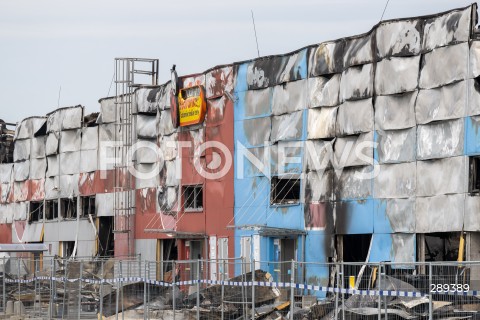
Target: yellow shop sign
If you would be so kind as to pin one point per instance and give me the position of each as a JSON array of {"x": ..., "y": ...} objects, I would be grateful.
[{"x": 192, "y": 106}]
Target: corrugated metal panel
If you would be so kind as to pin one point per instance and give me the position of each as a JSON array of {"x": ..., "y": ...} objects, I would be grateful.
[
  {"x": 51, "y": 146},
  {"x": 357, "y": 83},
  {"x": 448, "y": 28},
  {"x": 358, "y": 50},
  {"x": 447, "y": 102},
  {"x": 440, "y": 139},
  {"x": 38, "y": 147},
  {"x": 319, "y": 186},
  {"x": 68, "y": 186},
  {"x": 52, "y": 185},
  {"x": 70, "y": 163},
  {"x": 395, "y": 180},
  {"x": 318, "y": 154},
  {"x": 52, "y": 166},
  {"x": 37, "y": 190},
  {"x": 322, "y": 123},
  {"x": 286, "y": 157},
  {"x": 21, "y": 150},
  {"x": 38, "y": 167},
  {"x": 270, "y": 71},
  {"x": 88, "y": 160},
  {"x": 353, "y": 183},
  {"x": 443, "y": 213},
  {"x": 394, "y": 215},
  {"x": 146, "y": 126},
  {"x": 70, "y": 140},
  {"x": 219, "y": 81},
  {"x": 289, "y": 97},
  {"x": 435, "y": 177},
  {"x": 21, "y": 191},
  {"x": 354, "y": 117},
  {"x": 89, "y": 138},
  {"x": 164, "y": 123},
  {"x": 399, "y": 38},
  {"x": 395, "y": 111},
  {"x": 253, "y": 103},
  {"x": 22, "y": 170},
  {"x": 396, "y": 75},
  {"x": 289, "y": 126},
  {"x": 354, "y": 217},
  {"x": 146, "y": 100},
  {"x": 327, "y": 58},
  {"x": 435, "y": 72},
  {"x": 194, "y": 80},
  {"x": 6, "y": 170},
  {"x": 354, "y": 150},
  {"x": 324, "y": 91},
  {"x": 254, "y": 132},
  {"x": 397, "y": 248},
  {"x": 104, "y": 204},
  {"x": 396, "y": 146},
  {"x": 167, "y": 199},
  {"x": 72, "y": 118}
]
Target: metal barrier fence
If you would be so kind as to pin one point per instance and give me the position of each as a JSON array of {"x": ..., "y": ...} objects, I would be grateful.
[{"x": 228, "y": 289}]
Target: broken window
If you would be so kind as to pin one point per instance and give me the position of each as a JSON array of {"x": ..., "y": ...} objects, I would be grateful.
[
  {"x": 354, "y": 247},
  {"x": 474, "y": 182},
  {"x": 193, "y": 196},
  {"x": 88, "y": 206},
  {"x": 36, "y": 211},
  {"x": 285, "y": 191},
  {"x": 68, "y": 208},
  {"x": 51, "y": 209},
  {"x": 67, "y": 248},
  {"x": 442, "y": 246}
]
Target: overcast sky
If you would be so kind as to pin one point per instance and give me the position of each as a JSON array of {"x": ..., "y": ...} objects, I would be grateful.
[{"x": 51, "y": 43}]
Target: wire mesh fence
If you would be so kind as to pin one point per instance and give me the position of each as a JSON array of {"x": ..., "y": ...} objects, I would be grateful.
[{"x": 132, "y": 288}]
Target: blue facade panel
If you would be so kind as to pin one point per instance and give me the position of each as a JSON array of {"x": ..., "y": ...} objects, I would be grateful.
[{"x": 354, "y": 217}]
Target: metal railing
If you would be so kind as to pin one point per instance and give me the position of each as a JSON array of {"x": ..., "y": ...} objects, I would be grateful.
[{"x": 226, "y": 289}]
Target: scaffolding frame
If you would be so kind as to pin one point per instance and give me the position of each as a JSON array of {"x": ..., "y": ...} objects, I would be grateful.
[{"x": 129, "y": 73}]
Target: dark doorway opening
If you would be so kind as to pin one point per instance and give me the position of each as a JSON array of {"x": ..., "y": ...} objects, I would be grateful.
[
  {"x": 106, "y": 242},
  {"x": 287, "y": 254},
  {"x": 355, "y": 247}
]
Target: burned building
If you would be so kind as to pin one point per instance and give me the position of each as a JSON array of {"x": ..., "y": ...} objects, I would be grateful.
[{"x": 364, "y": 148}]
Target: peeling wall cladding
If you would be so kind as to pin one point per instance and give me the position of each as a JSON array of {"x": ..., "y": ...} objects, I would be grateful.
[
  {"x": 395, "y": 112},
  {"x": 396, "y": 146},
  {"x": 357, "y": 83},
  {"x": 440, "y": 139},
  {"x": 270, "y": 71},
  {"x": 399, "y": 38},
  {"x": 405, "y": 70},
  {"x": 396, "y": 181},
  {"x": 436, "y": 178},
  {"x": 444, "y": 103},
  {"x": 435, "y": 72}
]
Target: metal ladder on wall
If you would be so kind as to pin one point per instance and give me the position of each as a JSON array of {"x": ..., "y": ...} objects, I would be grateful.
[{"x": 130, "y": 73}]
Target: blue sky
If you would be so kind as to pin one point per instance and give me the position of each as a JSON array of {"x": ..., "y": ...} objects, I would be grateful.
[{"x": 51, "y": 43}]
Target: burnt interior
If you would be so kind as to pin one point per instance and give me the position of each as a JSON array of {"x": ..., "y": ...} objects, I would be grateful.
[
  {"x": 68, "y": 208},
  {"x": 36, "y": 211},
  {"x": 474, "y": 177},
  {"x": 442, "y": 246},
  {"x": 355, "y": 247},
  {"x": 105, "y": 237},
  {"x": 285, "y": 191},
  {"x": 88, "y": 206},
  {"x": 193, "y": 196},
  {"x": 51, "y": 209}
]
